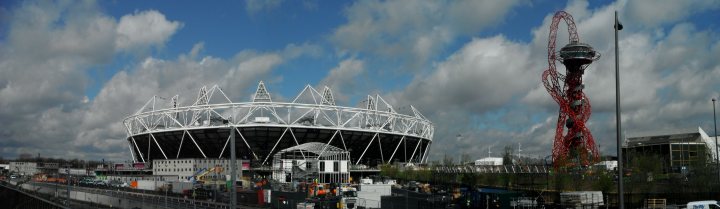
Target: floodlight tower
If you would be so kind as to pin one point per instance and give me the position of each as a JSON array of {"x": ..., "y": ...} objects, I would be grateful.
[{"x": 575, "y": 147}]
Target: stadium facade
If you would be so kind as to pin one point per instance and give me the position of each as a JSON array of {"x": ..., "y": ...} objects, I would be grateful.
[{"x": 374, "y": 132}]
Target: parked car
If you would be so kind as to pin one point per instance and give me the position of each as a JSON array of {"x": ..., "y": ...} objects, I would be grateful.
[
  {"x": 100, "y": 183},
  {"x": 86, "y": 182},
  {"x": 707, "y": 204},
  {"x": 117, "y": 183}
]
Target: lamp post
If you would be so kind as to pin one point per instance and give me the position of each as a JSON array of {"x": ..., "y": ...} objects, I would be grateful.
[
  {"x": 166, "y": 197},
  {"x": 618, "y": 26},
  {"x": 233, "y": 169},
  {"x": 67, "y": 180},
  {"x": 717, "y": 154}
]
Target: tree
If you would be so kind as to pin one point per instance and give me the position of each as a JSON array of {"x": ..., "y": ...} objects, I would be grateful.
[
  {"x": 604, "y": 182},
  {"x": 469, "y": 179},
  {"x": 389, "y": 170},
  {"x": 507, "y": 155},
  {"x": 25, "y": 156},
  {"x": 447, "y": 160},
  {"x": 465, "y": 158}
]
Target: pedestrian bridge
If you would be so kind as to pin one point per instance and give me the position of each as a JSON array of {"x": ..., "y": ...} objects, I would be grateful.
[{"x": 529, "y": 169}]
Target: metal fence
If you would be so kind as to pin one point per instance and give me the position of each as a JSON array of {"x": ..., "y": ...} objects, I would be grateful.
[{"x": 100, "y": 197}]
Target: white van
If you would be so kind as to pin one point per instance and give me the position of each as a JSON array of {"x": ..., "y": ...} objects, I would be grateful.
[{"x": 706, "y": 204}]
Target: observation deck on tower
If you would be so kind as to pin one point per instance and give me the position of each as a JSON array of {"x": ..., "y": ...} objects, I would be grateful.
[{"x": 578, "y": 54}]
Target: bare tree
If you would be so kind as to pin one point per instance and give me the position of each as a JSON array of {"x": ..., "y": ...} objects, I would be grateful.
[
  {"x": 25, "y": 156},
  {"x": 507, "y": 155},
  {"x": 465, "y": 158},
  {"x": 447, "y": 160}
]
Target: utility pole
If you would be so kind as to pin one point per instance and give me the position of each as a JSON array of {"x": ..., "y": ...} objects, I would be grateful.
[
  {"x": 717, "y": 154},
  {"x": 233, "y": 169},
  {"x": 67, "y": 180},
  {"x": 621, "y": 203},
  {"x": 519, "y": 149}
]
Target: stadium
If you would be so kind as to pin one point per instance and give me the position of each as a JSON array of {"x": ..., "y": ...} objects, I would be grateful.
[{"x": 373, "y": 132}]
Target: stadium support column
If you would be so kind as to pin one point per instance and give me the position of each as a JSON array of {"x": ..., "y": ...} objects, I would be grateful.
[{"x": 233, "y": 169}]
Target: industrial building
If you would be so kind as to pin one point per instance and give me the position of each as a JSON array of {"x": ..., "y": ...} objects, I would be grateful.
[
  {"x": 674, "y": 150},
  {"x": 489, "y": 161}
]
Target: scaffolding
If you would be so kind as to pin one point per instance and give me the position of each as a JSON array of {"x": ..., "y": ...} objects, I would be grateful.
[{"x": 313, "y": 161}]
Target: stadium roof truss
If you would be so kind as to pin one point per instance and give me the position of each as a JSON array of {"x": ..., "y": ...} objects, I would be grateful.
[{"x": 309, "y": 109}]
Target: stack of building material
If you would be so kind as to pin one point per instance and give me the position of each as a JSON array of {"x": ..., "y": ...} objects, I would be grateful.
[{"x": 581, "y": 199}]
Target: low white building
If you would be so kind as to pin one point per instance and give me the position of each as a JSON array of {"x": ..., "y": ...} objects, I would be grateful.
[
  {"x": 24, "y": 168},
  {"x": 76, "y": 171},
  {"x": 608, "y": 164},
  {"x": 185, "y": 169},
  {"x": 490, "y": 161}
]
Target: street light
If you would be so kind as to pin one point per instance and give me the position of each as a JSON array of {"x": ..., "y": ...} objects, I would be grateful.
[
  {"x": 618, "y": 26},
  {"x": 67, "y": 180},
  {"x": 716, "y": 139},
  {"x": 233, "y": 166}
]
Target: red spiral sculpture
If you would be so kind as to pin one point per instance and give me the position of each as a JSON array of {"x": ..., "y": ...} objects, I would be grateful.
[{"x": 575, "y": 147}]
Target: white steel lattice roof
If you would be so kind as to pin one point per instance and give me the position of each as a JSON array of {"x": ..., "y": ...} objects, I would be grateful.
[
  {"x": 320, "y": 149},
  {"x": 310, "y": 108}
]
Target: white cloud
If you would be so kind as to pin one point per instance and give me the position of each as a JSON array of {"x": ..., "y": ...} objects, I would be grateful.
[
  {"x": 45, "y": 52},
  {"x": 485, "y": 74},
  {"x": 255, "y": 6},
  {"x": 489, "y": 90},
  {"x": 49, "y": 46},
  {"x": 144, "y": 29},
  {"x": 651, "y": 13},
  {"x": 343, "y": 79},
  {"x": 165, "y": 78},
  {"x": 413, "y": 30}
]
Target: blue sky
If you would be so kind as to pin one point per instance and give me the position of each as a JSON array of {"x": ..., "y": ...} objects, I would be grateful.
[{"x": 73, "y": 70}]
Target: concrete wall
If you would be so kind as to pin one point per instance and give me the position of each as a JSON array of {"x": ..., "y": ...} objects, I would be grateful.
[{"x": 100, "y": 199}]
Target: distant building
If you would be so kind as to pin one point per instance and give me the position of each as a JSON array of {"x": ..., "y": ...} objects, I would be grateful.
[
  {"x": 490, "y": 161},
  {"x": 187, "y": 168},
  {"x": 32, "y": 168},
  {"x": 76, "y": 171},
  {"x": 607, "y": 164},
  {"x": 122, "y": 169},
  {"x": 674, "y": 150},
  {"x": 24, "y": 168}
]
